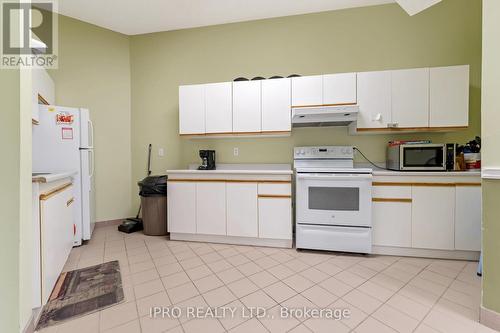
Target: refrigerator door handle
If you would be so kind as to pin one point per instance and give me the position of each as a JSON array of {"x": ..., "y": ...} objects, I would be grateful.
[
  {"x": 91, "y": 133},
  {"x": 92, "y": 163}
]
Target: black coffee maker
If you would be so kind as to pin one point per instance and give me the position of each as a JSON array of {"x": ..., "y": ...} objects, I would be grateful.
[{"x": 207, "y": 160}]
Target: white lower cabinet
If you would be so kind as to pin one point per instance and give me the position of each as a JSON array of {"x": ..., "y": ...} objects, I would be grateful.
[
  {"x": 275, "y": 218},
  {"x": 257, "y": 212},
  {"x": 433, "y": 217},
  {"x": 242, "y": 209},
  {"x": 427, "y": 216},
  {"x": 56, "y": 234},
  {"x": 391, "y": 223},
  {"x": 181, "y": 198},
  {"x": 211, "y": 208},
  {"x": 468, "y": 218}
]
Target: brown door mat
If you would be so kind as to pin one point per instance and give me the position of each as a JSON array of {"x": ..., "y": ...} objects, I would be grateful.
[{"x": 81, "y": 292}]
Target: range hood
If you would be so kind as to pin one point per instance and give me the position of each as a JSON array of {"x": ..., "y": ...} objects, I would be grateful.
[{"x": 316, "y": 116}]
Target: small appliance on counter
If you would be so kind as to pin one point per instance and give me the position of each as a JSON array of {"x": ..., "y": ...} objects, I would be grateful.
[
  {"x": 207, "y": 160},
  {"x": 469, "y": 155},
  {"x": 416, "y": 156}
]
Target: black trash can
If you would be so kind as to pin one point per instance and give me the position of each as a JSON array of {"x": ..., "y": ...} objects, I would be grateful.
[{"x": 153, "y": 192}]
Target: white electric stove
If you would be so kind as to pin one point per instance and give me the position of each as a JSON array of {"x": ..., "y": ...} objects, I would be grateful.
[{"x": 333, "y": 200}]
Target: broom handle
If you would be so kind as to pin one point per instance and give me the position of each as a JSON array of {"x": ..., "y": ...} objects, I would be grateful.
[
  {"x": 149, "y": 173},
  {"x": 149, "y": 159}
]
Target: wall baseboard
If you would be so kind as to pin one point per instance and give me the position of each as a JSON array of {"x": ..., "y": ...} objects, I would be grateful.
[
  {"x": 108, "y": 223},
  {"x": 425, "y": 253},
  {"x": 251, "y": 241},
  {"x": 489, "y": 318}
]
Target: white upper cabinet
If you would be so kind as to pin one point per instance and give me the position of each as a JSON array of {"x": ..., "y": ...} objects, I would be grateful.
[
  {"x": 339, "y": 88},
  {"x": 307, "y": 90},
  {"x": 276, "y": 105},
  {"x": 192, "y": 109},
  {"x": 247, "y": 106},
  {"x": 449, "y": 96},
  {"x": 324, "y": 89},
  {"x": 218, "y": 107},
  {"x": 410, "y": 98},
  {"x": 43, "y": 89},
  {"x": 419, "y": 99},
  {"x": 374, "y": 99}
]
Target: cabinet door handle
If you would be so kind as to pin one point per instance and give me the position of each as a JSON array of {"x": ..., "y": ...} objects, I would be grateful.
[{"x": 69, "y": 202}]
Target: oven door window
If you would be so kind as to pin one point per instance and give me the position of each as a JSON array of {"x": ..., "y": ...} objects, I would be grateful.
[
  {"x": 334, "y": 198},
  {"x": 419, "y": 157}
]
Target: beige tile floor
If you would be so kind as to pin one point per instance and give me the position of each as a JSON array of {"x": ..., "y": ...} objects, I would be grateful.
[{"x": 382, "y": 293}]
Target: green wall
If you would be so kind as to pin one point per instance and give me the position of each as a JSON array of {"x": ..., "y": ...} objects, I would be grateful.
[
  {"x": 94, "y": 72},
  {"x": 490, "y": 153},
  {"x": 10, "y": 200},
  {"x": 361, "y": 39},
  {"x": 26, "y": 233},
  {"x": 131, "y": 83}
]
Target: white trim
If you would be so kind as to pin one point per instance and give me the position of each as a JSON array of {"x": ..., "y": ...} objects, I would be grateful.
[
  {"x": 286, "y": 243},
  {"x": 30, "y": 325},
  {"x": 489, "y": 318},
  {"x": 236, "y": 135},
  {"x": 426, "y": 253},
  {"x": 490, "y": 173}
]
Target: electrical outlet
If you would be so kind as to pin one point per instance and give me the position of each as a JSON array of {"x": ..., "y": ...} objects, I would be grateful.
[
  {"x": 236, "y": 151},
  {"x": 161, "y": 152}
]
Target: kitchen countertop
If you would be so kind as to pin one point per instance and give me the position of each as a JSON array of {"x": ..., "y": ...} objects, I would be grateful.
[
  {"x": 51, "y": 177},
  {"x": 384, "y": 172},
  {"x": 239, "y": 169}
]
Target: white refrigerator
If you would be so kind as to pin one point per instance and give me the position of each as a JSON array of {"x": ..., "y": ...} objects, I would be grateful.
[{"x": 64, "y": 141}]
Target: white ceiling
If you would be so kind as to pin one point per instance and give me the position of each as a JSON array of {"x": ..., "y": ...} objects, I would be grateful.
[{"x": 134, "y": 17}]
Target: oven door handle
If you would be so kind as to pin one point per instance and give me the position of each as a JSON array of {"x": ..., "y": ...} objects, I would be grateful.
[{"x": 336, "y": 176}]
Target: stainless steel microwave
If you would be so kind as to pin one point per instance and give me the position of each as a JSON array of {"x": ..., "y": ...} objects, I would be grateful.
[{"x": 417, "y": 157}]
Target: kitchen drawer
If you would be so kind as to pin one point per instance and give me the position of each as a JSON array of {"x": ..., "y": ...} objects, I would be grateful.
[
  {"x": 331, "y": 238},
  {"x": 274, "y": 189},
  {"x": 391, "y": 192}
]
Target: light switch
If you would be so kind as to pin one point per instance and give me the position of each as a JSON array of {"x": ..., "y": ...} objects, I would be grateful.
[
  {"x": 236, "y": 151},
  {"x": 161, "y": 152}
]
